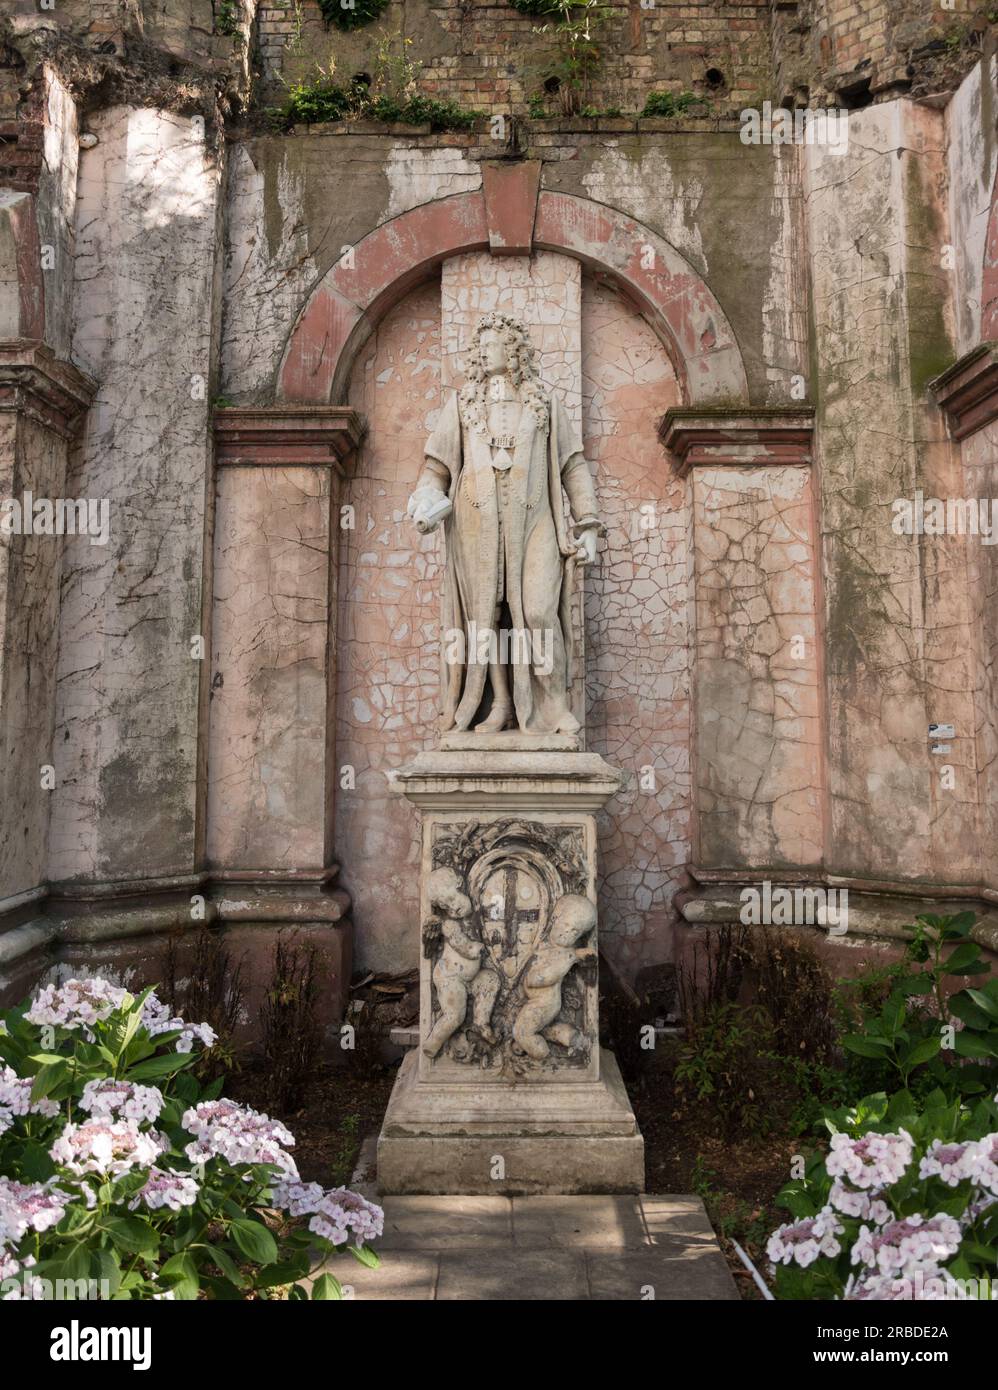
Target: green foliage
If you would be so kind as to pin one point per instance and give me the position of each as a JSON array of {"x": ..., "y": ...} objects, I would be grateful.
[
  {"x": 312, "y": 103},
  {"x": 668, "y": 104},
  {"x": 101, "y": 1123},
  {"x": 727, "y": 1062},
  {"x": 291, "y": 1030},
  {"x": 920, "y": 1036},
  {"x": 226, "y": 17},
  {"x": 352, "y": 14},
  {"x": 900, "y": 1195},
  {"x": 578, "y": 53}
]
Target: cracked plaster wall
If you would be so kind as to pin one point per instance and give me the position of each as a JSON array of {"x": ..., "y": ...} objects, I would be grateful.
[
  {"x": 127, "y": 725},
  {"x": 899, "y": 630}
]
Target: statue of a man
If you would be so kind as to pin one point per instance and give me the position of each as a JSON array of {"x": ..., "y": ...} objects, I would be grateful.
[{"x": 495, "y": 467}]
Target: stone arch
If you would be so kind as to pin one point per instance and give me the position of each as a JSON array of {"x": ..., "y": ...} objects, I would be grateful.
[{"x": 354, "y": 294}]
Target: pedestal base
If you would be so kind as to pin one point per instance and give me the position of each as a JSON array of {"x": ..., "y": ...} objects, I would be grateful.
[{"x": 564, "y": 1137}]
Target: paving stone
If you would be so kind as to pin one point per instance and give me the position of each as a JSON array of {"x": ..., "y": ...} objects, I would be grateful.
[
  {"x": 447, "y": 1223},
  {"x": 590, "y": 1223},
  {"x": 670, "y": 1271},
  {"x": 523, "y": 1275},
  {"x": 674, "y": 1215},
  {"x": 402, "y": 1275}
]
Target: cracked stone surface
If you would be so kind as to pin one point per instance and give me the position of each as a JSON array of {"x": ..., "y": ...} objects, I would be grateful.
[
  {"x": 127, "y": 709},
  {"x": 759, "y": 775}
]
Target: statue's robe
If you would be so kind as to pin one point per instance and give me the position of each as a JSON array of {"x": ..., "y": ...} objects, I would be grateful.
[{"x": 533, "y": 569}]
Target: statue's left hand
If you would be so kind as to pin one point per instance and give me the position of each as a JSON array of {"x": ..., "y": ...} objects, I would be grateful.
[{"x": 586, "y": 552}]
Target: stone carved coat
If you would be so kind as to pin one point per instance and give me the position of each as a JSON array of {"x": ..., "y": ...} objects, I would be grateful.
[{"x": 537, "y": 566}]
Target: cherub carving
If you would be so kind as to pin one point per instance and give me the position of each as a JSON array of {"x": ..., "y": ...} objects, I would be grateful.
[
  {"x": 458, "y": 971},
  {"x": 573, "y": 917}
]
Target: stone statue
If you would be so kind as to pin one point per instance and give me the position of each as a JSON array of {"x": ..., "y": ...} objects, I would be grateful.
[
  {"x": 458, "y": 970},
  {"x": 537, "y": 1022},
  {"x": 494, "y": 472}
]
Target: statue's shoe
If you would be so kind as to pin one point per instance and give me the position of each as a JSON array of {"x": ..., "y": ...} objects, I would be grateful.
[{"x": 496, "y": 721}]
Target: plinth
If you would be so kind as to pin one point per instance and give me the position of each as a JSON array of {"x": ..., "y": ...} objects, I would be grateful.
[{"x": 508, "y": 1091}]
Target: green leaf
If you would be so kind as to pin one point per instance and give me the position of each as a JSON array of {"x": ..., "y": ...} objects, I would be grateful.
[
  {"x": 983, "y": 1001},
  {"x": 227, "y": 1265},
  {"x": 165, "y": 1065},
  {"x": 365, "y": 1255},
  {"x": 961, "y": 924},
  {"x": 109, "y": 1270},
  {"x": 964, "y": 960},
  {"x": 49, "y": 1077},
  {"x": 921, "y": 1052},
  {"x": 326, "y": 1288},
  {"x": 892, "y": 1014},
  {"x": 181, "y": 1273},
  {"x": 865, "y": 1046},
  {"x": 973, "y": 1045},
  {"x": 130, "y": 1234},
  {"x": 255, "y": 1241}
]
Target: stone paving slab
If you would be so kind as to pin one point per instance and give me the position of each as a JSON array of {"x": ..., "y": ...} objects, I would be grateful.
[{"x": 576, "y": 1249}]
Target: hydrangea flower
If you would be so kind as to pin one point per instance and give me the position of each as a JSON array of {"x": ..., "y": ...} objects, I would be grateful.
[
  {"x": 26, "y": 1285},
  {"x": 225, "y": 1129},
  {"x": 156, "y": 1019},
  {"x": 803, "y": 1241},
  {"x": 166, "y": 1188},
  {"x": 107, "y": 1097},
  {"x": 953, "y": 1163},
  {"x": 6, "y": 1119},
  {"x": 861, "y": 1204},
  {"x": 874, "y": 1161},
  {"x": 35, "y": 1206},
  {"x": 15, "y": 1096},
  {"x": 110, "y": 1148},
  {"x": 922, "y": 1283},
  {"x": 986, "y": 1162},
  {"x": 335, "y": 1214},
  {"x": 911, "y": 1241},
  {"x": 76, "y": 1004}
]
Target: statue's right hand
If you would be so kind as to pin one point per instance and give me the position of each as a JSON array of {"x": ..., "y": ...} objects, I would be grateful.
[{"x": 423, "y": 502}]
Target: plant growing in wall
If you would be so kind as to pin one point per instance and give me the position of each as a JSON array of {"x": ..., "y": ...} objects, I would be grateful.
[
  {"x": 352, "y": 14},
  {"x": 575, "y": 26}
]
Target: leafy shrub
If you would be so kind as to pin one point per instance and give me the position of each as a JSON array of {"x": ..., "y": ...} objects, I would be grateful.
[
  {"x": 796, "y": 990},
  {"x": 669, "y": 104},
  {"x": 312, "y": 103},
  {"x": 291, "y": 1034},
  {"x": 904, "y": 1205},
  {"x": 210, "y": 987},
  {"x": 924, "y": 1038},
  {"x": 353, "y": 15},
  {"x": 123, "y": 1178},
  {"x": 727, "y": 1061}
]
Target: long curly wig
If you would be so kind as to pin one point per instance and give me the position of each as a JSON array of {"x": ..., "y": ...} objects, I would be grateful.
[{"x": 473, "y": 396}]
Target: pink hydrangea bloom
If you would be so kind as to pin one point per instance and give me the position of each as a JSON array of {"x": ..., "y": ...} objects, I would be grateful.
[
  {"x": 874, "y": 1161},
  {"x": 225, "y": 1129},
  {"x": 802, "y": 1242},
  {"x": 911, "y": 1241},
  {"x": 36, "y": 1206},
  {"x": 107, "y": 1097},
  {"x": 109, "y": 1148}
]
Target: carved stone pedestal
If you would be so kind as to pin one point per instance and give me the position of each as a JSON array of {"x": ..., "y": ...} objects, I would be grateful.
[{"x": 508, "y": 1091}]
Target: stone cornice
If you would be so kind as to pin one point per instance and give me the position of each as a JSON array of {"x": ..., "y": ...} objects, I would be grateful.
[
  {"x": 37, "y": 384},
  {"x": 286, "y": 435},
  {"x": 738, "y": 436},
  {"x": 967, "y": 392}
]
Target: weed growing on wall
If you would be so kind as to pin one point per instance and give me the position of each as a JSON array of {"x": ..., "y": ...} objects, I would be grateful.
[{"x": 352, "y": 14}]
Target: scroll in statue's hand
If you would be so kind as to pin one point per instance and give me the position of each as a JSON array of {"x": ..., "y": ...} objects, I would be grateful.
[{"x": 428, "y": 507}]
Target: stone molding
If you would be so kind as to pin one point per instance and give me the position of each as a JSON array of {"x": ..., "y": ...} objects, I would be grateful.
[
  {"x": 286, "y": 436},
  {"x": 739, "y": 436},
  {"x": 349, "y": 301},
  {"x": 37, "y": 384},
  {"x": 967, "y": 392}
]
